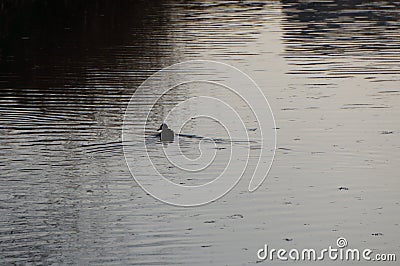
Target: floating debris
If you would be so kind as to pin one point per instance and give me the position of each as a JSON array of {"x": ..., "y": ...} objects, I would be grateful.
[
  {"x": 236, "y": 216},
  {"x": 285, "y": 149}
]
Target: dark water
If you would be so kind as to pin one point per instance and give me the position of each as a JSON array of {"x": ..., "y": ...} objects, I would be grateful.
[{"x": 67, "y": 71}]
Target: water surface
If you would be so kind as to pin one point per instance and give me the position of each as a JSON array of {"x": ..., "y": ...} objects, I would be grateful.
[{"x": 330, "y": 71}]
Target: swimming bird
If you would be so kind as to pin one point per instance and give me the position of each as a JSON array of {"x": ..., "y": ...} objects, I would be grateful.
[{"x": 166, "y": 134}]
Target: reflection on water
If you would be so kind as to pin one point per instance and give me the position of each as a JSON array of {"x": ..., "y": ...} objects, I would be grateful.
[
  {"x": 329, "y": 69},
  {"x": 342, "y": 39}
]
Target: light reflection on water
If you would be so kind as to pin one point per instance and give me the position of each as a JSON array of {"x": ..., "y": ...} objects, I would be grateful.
[{"x": 329, "y": 70}]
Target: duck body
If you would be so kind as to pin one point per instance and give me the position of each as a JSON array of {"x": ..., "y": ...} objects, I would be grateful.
[{"x": 166, "y": 134}]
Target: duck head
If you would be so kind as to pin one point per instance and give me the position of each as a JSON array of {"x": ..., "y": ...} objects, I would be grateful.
[{"x": 163, "y": 126}]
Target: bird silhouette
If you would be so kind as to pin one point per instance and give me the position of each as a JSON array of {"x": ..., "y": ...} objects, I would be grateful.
[{"x": 166, "y": 134}]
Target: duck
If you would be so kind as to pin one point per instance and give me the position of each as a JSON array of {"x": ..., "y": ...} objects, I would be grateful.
[{"x": 166, "y": 133}]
